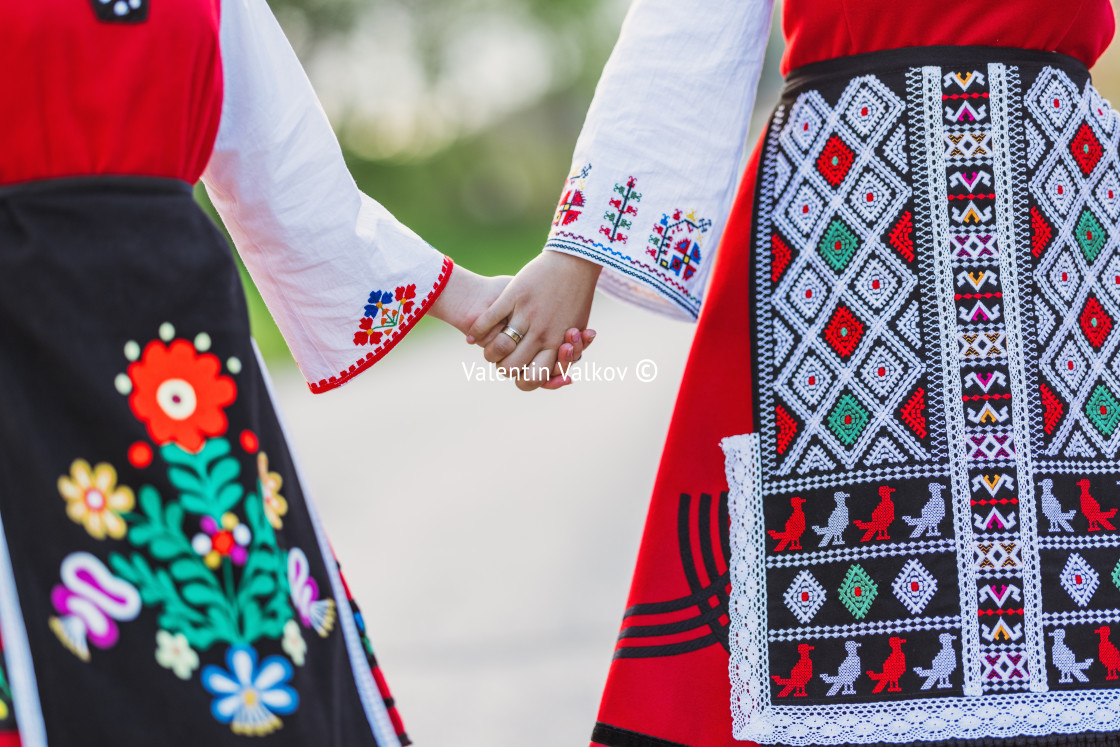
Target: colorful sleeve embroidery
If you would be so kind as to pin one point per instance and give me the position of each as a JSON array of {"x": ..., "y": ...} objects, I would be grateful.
[
  {"x": 657, "y": 163},
  {"x": 343, "y": 278},
  {"x": 387, "y": 317}
]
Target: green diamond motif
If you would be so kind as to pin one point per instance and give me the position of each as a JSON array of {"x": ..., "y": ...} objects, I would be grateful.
[
  {"x": 858, "y": 591},
  {"x": 848, "y": 419},
  {"x": 838, "y": 245},
  {"x": 1103, "y": 410},
  {"x": 1116, "y": 575},
  {"x": 1090, "y": 234}
]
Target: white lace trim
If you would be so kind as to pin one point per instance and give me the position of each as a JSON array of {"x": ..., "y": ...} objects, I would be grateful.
[
  {"x": 1006, "y": 96},
  {"x": 926, "y": 86},
  {"x": 749, "y": 664}
]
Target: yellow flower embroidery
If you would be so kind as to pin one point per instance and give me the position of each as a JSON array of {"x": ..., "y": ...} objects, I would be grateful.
[
  {"x": 94, "y": 500},
  {"x": 275, "y": 505}
]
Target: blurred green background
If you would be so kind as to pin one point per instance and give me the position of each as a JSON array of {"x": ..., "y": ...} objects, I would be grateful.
[{"x": 460, "y": 115}]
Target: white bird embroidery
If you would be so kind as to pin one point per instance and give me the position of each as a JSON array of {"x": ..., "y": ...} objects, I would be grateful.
[
  {"x": 848, "y": 673},
  {"x": 837, "y": 522},
  {"x": 1059, "y": 520},
  {"x": 943, "y": 665},
  {"x": 932, "y": 514},
  {"x": 1065, "y": 660}
]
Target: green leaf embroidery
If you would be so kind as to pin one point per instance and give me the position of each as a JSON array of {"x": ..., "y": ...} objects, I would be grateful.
[
  {"x": 207, "y": 605},
  {"x": 206, "y": 481}
]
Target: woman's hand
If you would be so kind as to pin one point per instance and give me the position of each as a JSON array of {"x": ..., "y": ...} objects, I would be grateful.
[
  {"x": 548, "y": 301},
  {"x": 466, "y": 296}
]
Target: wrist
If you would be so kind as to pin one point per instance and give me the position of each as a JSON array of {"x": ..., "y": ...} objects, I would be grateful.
[
  {"x": 574, "y": 266},
  {"x": 447, "y": 305}
]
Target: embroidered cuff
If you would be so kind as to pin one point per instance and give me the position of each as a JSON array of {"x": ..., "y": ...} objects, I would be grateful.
[
  {"x": 653, "y": 252},
  {"x": 389, "y": 314}
]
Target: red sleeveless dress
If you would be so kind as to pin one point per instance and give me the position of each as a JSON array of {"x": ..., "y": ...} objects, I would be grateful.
[
  {"x": 163, "y": 578},
  {"x": 668, "y": 683}
]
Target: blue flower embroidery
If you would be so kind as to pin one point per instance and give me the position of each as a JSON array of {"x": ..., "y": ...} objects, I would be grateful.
[
  {"x": 375, "y": 298},
  {"x": 247, "y": 697}
]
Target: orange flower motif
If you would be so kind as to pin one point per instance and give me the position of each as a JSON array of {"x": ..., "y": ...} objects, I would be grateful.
[
  {"x": 275, "y": 505},
  {"x": 180, "y": 394},
  {"x": 94, "y": 500}
]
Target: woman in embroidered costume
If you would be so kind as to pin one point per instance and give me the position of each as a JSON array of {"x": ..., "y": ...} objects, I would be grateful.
[
  {"x": 162, "y": 578},
  {"x": 908, "y": 347}
]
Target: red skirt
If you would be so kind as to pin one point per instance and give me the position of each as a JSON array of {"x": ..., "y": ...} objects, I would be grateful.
[{"x": 971, "y": 152}]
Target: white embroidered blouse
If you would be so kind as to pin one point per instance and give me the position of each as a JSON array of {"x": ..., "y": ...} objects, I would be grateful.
[
  {"x": 657, "y": 164},
  {"x": 343, "y": 278}
]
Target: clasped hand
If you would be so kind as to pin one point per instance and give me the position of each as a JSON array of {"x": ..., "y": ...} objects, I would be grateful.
[{"x": 548, "y": 304}]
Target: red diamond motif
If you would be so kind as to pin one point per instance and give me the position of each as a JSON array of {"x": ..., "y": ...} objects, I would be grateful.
[
  {"x": 1040, "y": 232},
  {"x": 914, "y": 413},
  {"x": 901, "y": 236},
  {"x": 835, "y": 160},
  {"x": 844, "y": 331},
  {"x": 787, "y": 428},
  {"x": 781, "y": 256},
  {"x": 1086, "y": 149},
  {"x": 1054, "y": 409},
  {"x": 1095, "y": 322}
]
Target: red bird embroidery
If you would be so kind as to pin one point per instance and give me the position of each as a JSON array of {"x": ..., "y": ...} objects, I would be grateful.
[
  {"x": 881, "y": 517},
  {"x": 1110, "y": 657},
  {"x": 799, "y": 676},
  {"x": 893, "y": 668},
  {"x": 790, "y": 537},
  {"x": 1092, "y": 510}
]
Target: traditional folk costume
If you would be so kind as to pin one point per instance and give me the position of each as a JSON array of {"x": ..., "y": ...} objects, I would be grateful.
[
  {"x": 909, "y": 349},
  {"x": 163, "y": 579}
]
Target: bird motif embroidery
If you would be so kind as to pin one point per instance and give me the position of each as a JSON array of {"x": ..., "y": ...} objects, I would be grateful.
[
  {"x": 893, "y": 668},
  {"x": 1052, "y": 509},
  {"x": 943, "y": 665},
  {"x": 1092, "y": 509},
  {"x": 850, "y": 670},
  {"x": 799, "y": 676},
  {"x": 317, "y": 614},
  {"x": 837, "y": 522},
  {"x": 1110, "y": 657},
  {"x": 932, "y": 514},
  {"x": 881, "y": 517},
  {"x": 790, "y": 537},
  {"x": 1066, "y": 661}
]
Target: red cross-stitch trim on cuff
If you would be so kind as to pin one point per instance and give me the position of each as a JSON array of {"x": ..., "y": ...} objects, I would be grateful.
[{"x": 401, "y": 330}]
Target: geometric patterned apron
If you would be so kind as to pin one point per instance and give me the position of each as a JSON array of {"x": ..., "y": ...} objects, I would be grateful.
[{"x": 924, "y": 528}]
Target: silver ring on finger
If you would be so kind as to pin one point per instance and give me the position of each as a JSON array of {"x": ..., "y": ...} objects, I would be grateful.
[{"x": 512, "y": 334}]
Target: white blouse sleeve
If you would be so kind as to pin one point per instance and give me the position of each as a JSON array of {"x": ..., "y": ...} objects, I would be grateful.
[
  {"x": 657, "y": 163},
  {"x": 344, "y": 280}
]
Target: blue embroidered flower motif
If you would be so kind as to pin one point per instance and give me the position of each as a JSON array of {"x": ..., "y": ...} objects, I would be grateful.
[
  {"x": 247, "y": 697},
  {"x": 375, "y": 298}
]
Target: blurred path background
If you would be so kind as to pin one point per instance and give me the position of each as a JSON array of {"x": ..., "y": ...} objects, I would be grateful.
[{"x": 489, "y": 534}]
